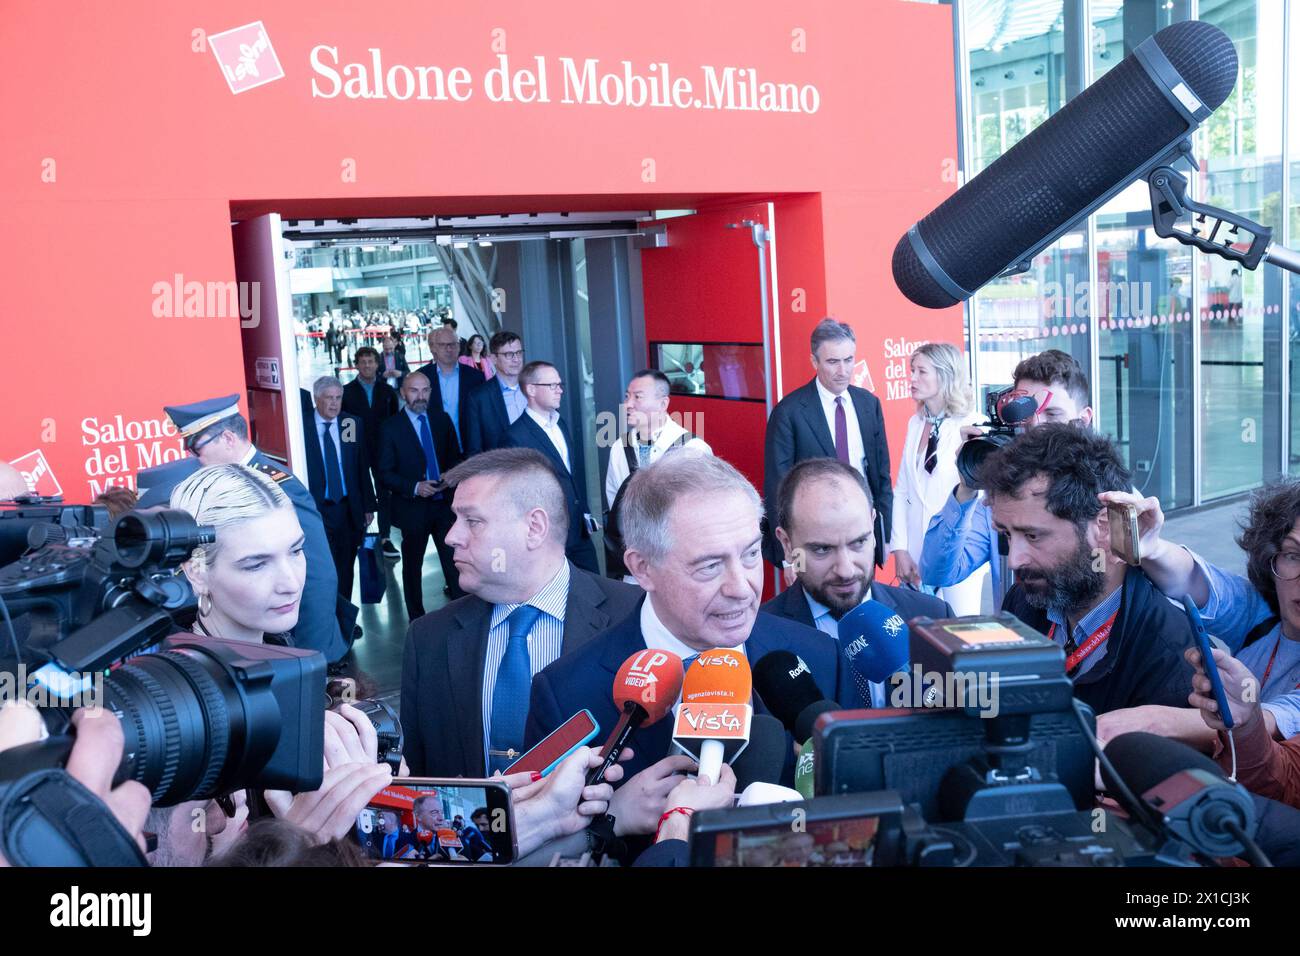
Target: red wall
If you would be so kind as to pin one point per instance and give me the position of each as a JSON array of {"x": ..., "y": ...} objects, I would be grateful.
[{"x": 126, "y": 155}]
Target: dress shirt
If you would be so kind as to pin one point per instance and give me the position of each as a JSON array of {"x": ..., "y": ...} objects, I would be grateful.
[
  {"x": 856, "y": 451},
  {"x": 338, "y": 449},
  {"x": 514, "y": 398},
  {"x": 827, "y": 624},
  {"x": 1087, "y": 625},
  {"x": 545, "y": 641},
  {"x": 450, "y": 387},
  {"x": 551, "y": 425}
]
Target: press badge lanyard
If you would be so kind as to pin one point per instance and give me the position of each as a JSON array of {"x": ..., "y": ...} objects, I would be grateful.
[
  {"x": 1097, "y": 638},
  {"x": 1263, "y": 681}
]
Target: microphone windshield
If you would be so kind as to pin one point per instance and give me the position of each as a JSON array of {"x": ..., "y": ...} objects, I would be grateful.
[
  {"x": 764, "y": 758},
  {"x": 652, "y": 679},
  {"x": 1146, "y": 760},
  {"x": 786, "y": 685},
  {"x": 719, "y": 676},
  {"x": 875, "y": 640},
  {"x": 1112, "y": 134}
]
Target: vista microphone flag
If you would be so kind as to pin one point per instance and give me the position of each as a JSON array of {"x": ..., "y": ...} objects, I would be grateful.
[
  {"x": 1134, "y": 119},
  {"x": 645, "y": 689},
  {"x": 714, "y": 716}
]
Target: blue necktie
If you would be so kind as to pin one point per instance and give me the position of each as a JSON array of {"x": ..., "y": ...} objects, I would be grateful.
[
  {"x": 333, "y": 473},
  {"x": 430, "y": 459},
  {"x": 510, "y": 698}
]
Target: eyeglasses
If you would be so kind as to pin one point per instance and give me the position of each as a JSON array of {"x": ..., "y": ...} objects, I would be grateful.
[
  {"x": 515, "y": 353},
  {"x": 1285, "y": 565},
  {"x": 555, "y": 385},
  {"x": 199, "y": 446}
]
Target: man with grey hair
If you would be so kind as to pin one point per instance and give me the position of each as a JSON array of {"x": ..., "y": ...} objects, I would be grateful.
[
  {"x": 829, "y": 417},
  {"x": 692, "y": 529},
  {"x": 338, "y": 475},
  {"x": 468, "y": 666}
]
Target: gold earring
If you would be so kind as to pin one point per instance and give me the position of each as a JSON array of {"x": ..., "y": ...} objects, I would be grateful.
[{"x": 205, "y": 610}]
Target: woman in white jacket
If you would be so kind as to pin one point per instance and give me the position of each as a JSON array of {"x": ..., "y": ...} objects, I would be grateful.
[{"x": 927, "y": 469}]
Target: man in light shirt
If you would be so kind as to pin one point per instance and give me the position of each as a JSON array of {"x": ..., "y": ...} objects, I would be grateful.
[{"x": 540, "y": 427}]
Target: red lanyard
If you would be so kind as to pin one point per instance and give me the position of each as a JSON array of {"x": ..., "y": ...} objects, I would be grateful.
[
  {"x": 1091, "y": 644},
  {"x": 1269, "y": 669}
]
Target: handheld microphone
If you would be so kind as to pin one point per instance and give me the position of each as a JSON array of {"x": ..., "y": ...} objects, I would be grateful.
[
  {"x": 1200, "y": 806},
  {"x": 714, "y": 716},
  {"x": 645, "y": 689},
  {"x": 875, "y": 641},
  {"x": 790, "y": 692},
  {"x": 763, "y": 758},
  {"x": 1138, "y": 116}
]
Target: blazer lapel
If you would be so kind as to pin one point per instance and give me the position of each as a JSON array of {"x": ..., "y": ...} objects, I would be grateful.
[
  {"x": 543, "y": 442},
  {"x": 584, "y": 617},
  {"x": 466, "y": 656},
  {"x": 796, "y": 606},
  {"x": 816, "y": 419},
  {"x": 499, "y": 408}
]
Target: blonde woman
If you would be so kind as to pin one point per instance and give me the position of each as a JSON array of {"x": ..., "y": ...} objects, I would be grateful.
[
  {"x": 248, "y": 581},
  {"x": 927, "y": 470}
]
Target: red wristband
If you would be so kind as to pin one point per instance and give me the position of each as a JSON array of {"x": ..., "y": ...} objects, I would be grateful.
[{"x": 685, "y": 811}]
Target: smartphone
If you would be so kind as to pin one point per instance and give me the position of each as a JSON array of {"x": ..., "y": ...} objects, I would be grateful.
[
  {"x": 1207, "y": 659},
  {"x": 1124, "y": 532},
  {"x": 430, "y": 820},
  {"x": 579, "y": 729}
]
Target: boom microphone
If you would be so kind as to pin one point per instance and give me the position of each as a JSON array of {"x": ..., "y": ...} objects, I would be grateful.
[
  {"x": 875, "y": 641},
  {"x": 788, "y": 689},
  {"x": 1200, "y": 806},
  {"x": 714, "y": 716},
  {"x": 1135, "y": 118},
  {"x": 645, "y": 689}
]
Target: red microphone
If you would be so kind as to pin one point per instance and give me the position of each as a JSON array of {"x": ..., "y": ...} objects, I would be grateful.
[
  {"x": 713, "y": 720},
  {"x": 645, "y": 689}
]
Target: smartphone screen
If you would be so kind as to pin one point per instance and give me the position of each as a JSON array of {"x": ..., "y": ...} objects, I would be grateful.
[{"x": 427, "y": 821}]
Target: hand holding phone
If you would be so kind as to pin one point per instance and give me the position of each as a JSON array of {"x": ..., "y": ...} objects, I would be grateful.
[
  {"x": 1207, "y": 661},
  {"x": 1124, "y": 538}
]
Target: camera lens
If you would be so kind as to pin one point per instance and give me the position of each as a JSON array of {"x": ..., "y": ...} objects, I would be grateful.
[
  {"x": 158, "y": 537},
  {"x": 200, "y": 721},
  {"x": 972, "y": 455}
]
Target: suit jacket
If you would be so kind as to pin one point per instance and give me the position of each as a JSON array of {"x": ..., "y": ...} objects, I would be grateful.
[
  {"x": 372, "y": 413},
  {"x": 793, "y": 606},
  {"x": 355, "y": 465},
  {"x": 488, "y": 420},
  {"x": 402, "y": 464},
  {"x": 468, "y": 380},
  {"x": 442, "y": 670},
  {"x": 526, "y": 433},
  {"x": 399, "y": 362},
  {"x": 797, "y": 430},
  {"x": 585, "y": 678}
]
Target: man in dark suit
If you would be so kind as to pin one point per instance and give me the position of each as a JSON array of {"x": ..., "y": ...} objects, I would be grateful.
[
  {"x": 691, "y": 526},
  {"x": 541, "y": 428},
  {"x": 416, "y": 447},
  {"x": 338, "y": 475},
  {"x": 829, "y": 418},
  {"x": 468, "y": 666},
  {"x": 496, "y": 404},
  {"x": 450, "y": 381},
  {"x": 371, "y": 399},
  {"x": 215, "y": 433},
  {"x": 391, "y": 366},
  {"x": 824, "y": 523}
]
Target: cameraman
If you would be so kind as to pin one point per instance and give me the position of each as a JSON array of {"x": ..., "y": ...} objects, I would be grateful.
[
  {"x": 1257, "y": 616},
  {"x": 960, "y": 538}
]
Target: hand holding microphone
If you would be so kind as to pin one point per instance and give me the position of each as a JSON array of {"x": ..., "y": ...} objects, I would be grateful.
[
  {"x": 696, "y": 793},
  {"x": 645, "y": 690}
]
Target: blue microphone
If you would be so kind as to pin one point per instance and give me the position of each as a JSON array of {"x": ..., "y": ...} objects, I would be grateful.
[{"x": 875, "y": 641}]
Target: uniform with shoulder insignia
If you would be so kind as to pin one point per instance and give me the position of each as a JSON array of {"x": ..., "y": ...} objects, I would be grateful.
[{"x": 324, "y": 616}]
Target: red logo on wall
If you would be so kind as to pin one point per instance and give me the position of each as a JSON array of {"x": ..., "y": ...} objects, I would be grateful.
[
  {"x": 36, "y": 470},
  {"x": 246, "y": 57}
]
